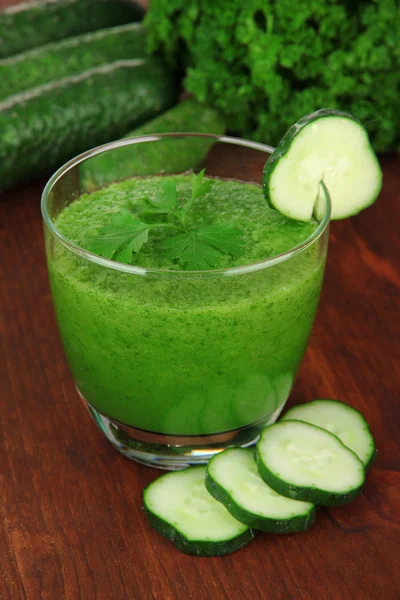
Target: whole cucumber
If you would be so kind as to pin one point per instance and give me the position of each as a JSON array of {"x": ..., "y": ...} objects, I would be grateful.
[
  {"x": 57, "y": 60},
  {"x": 169, "y": 156},
  {"x": 46, "y": 126},
  {"x": 30, "y": 24}
]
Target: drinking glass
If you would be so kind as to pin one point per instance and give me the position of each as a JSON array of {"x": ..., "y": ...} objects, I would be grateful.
[{"x": 175, "y": 366}]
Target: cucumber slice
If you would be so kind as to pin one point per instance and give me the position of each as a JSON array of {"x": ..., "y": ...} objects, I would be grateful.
[
  {"x": 179, "y": 507},
  {"x": 255, "y": 400},
  {"x": 232, "y": 478},
  {"x": 305, "y": 462},
  {"x": 327, "y": 145},
  {"x": 340, "y": 419}
]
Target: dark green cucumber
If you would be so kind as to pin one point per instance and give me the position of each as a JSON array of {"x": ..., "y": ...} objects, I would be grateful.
[
  {"x": 304, "y": 462},
  {"x": 39, "y": 22},
  {"x": 342, "y": 420},
  {"x": 179, "y": 508},
  {"x": 72, "y": 56},
  {"x": 174, "y": 155},
  {"x": 46, "y": 126},
  {"x": 327, "y": 145},
  {"x": 232, "y": 479}
]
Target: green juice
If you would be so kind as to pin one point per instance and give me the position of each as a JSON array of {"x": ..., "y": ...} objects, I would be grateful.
[{"x": 179, "y": 353}]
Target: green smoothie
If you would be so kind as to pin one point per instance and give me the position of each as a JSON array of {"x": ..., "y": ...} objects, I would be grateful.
[{"x": 181, "y": 353}]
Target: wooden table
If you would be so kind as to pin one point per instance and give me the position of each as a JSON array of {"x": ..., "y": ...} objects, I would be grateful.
[{"x": 71, "y": 521}]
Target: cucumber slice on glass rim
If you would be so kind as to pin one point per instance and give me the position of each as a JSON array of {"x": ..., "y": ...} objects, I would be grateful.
[
  {"x": 179, "y": 507},
  {"x": 304, "y": 462},
  {"x": 342, "y": 420},
  {"x": 232, "y": 478},
  {"x": 330, "y": 146}
]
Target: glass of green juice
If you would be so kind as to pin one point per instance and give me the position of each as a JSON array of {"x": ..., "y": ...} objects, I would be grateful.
[{"x": 176, "y": 365}]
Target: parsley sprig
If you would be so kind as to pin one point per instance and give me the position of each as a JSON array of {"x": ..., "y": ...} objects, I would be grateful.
[{"x": 196, "y": 248}]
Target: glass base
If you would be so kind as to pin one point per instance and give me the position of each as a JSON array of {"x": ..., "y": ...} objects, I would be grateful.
[{"x": 173, "y": 453}]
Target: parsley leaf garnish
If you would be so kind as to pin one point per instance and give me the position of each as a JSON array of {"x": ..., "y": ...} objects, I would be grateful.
[
  {"x": 166, "y": 199},
  {"x": 192, "y": 251},
  {"x": 203, "y": 248},
  {"x": 197, "y": 249},
  {"x": 124, "y": 235},
  {"x": 226, "y": 237},
  {"x": 199, "y": 188}
]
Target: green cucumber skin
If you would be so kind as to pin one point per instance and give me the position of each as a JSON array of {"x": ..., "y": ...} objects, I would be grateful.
[
  {"x": 372, "y": 457},
  {"x": 188, "y": 116},
  {"x": 72, "y": 56},
  {"x": 371, "y": 460},
  {"x": 50, "y": 124},
  {"x": 197, "y": 548},
  {"x": 287, "y": 140},
  {"x": 293, "y": 525},
  {"x": 33, "y": 24},
  {"x": 306, "y": 494}
]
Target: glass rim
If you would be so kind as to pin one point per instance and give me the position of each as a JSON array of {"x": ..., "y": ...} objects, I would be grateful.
[{"x": 136, "y": 270}]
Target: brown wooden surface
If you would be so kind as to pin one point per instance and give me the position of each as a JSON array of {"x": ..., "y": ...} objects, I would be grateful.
[{"x": 71, "y": 522}]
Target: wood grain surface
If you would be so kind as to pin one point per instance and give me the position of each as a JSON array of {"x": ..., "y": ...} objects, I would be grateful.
[{"x": 71, "y": 520}]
